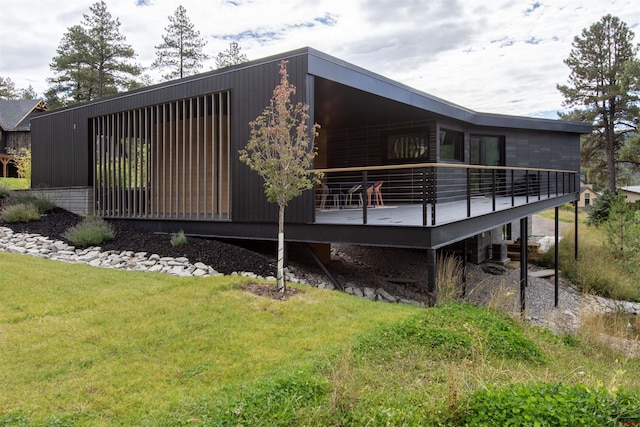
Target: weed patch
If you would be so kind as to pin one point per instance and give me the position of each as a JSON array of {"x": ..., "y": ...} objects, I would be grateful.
[{"x": 548, "y": 405}]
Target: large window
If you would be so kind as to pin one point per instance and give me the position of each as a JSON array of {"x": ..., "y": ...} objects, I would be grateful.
[
  {"x": 168, "y": 160},
  {"x": 451, "y": 145},
  {"x": 406, "y": 146}
]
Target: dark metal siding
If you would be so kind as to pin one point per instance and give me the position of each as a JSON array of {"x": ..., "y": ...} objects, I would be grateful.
[{"x": 62, "y": 152}]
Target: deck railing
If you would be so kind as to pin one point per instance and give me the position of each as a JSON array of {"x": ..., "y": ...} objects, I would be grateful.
[{"x": 469, "y": 189}]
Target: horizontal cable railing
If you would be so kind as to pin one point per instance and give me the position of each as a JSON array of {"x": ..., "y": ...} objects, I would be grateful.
[{"x": 429, "y": 194}]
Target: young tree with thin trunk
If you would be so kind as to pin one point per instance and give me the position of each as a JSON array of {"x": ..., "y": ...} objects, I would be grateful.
[
  {"x": 92, "y": 61},
  {"x": 280, "y": 150},
  {"x": 604, "y": 85},
  {"x": 181, "y": 48},
  {"x": 231, "y": 56}
]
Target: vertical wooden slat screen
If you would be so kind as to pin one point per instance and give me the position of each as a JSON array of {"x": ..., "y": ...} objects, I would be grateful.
[{"x": 166, "y": 161}]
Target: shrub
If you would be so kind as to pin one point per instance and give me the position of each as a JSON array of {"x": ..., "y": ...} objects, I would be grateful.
[
  {"x": 43, "y": 204},
  {"x": 178, "y": 239},
  {"x": 22, "y": 212},
  {"x": 599, "y": 210},
  {"x": 5, "y": 190},
  {"x": 548, "y": 405},
  {"x": 91, "y": 231}
]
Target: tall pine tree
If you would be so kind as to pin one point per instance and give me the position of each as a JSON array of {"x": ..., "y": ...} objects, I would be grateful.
[
  {"x": 7, "y": 89},
  {"x": 181, "y": 49},
  {"x": 603, "y": 86},
  {"x": 231, "y": 56},
  {"x": 93, "y": 60}
]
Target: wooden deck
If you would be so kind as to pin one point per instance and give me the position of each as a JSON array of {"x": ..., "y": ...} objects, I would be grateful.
[{"x": 412, "y": 214}]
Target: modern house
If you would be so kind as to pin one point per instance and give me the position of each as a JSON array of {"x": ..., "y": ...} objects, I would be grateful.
[
  {"x": 433, "y": 173},
  {"x": 15, "y": 130}
]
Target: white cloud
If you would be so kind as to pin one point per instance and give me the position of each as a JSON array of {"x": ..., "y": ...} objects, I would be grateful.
[{"x": 503, "y": 57}]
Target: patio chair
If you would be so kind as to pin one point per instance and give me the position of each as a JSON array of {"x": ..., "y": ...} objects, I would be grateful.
[
  {"x": 355, "y": 189},
  {"x": 375, "y": 189},
  {"x": 326, "y": 191}
]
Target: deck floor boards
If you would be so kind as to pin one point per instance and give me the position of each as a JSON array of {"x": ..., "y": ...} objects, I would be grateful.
[{"x": 412, "y": 215}]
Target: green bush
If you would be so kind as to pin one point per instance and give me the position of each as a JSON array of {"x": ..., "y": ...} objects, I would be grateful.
[
  {"x": 23, "y": 212},
  {"x": 540, "y": 404},
  {"x": 599, "y": 210},
  {"x": 178, "y": 239},
  {"x": 91, "y": 231}
]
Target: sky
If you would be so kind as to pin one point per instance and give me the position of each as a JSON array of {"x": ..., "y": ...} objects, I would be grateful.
[{"x": 499, "y": 56}]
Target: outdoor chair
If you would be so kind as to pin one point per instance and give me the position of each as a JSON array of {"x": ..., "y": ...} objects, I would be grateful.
[
  {"x": 355, "y": 189},
  {"x": 375, "y": 189},
  {"x": 326, "y": 191}
]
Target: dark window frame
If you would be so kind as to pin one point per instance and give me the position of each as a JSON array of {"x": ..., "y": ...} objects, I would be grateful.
[
  {"x": 408, "y": 145},
  {"x": 457, "y": 142}
]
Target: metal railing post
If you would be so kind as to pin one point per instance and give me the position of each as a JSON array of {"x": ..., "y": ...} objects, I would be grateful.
[
  {"x": 433, "y": 196},
  {"x": 513, "y": 189},
  {"x": 493, "y": 190},
  {"x": 526, "y": 189},
  {"x": 468, "y": 193},
  {"x": 364, "y": 202},
  {"x": 424, "y": 196}
]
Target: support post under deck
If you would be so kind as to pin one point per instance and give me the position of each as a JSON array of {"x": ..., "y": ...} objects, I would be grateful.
[
  {"x": 524, "y": 248},
  {"x": 431, "y": 275},
  {"x": 556, "y": 259}
]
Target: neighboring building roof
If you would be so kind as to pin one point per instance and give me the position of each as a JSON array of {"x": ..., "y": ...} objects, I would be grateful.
[
  {"x": 589, "y": 189},
  {"x": 631, "y": 189},
  {"x": 14, "y": 112}
]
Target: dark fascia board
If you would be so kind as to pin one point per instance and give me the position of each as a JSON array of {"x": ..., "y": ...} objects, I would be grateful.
[
  {"x": 326, "y": 66},
  {"x": 331, "y": 68}
]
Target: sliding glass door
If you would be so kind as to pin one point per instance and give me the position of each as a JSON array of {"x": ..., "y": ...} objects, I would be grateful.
[{"x": 486, "y": 151}]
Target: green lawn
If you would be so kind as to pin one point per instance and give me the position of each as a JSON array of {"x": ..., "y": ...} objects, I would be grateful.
[
  {"x": 15, "y": 183},
  {"x": 87, "y": 346}
]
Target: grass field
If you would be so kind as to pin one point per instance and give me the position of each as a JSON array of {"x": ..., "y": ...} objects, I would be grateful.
[
  {"x": 87, "y": 346},
  {"x": 596, "y": 271},
  {"x": 15, "y": 183}
]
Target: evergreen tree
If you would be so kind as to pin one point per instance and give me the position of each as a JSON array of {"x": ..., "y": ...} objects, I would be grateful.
[
  {"x": 28, "y": 93},
  {"x": 7, "y": 89},
  {"x": 93, "y": 60},
  {"x": 603, "y": 86},
  {"x": 280, "y": 149},
  {"x": 231, "y": 56},
  {"x": 181, "y": 48}
]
